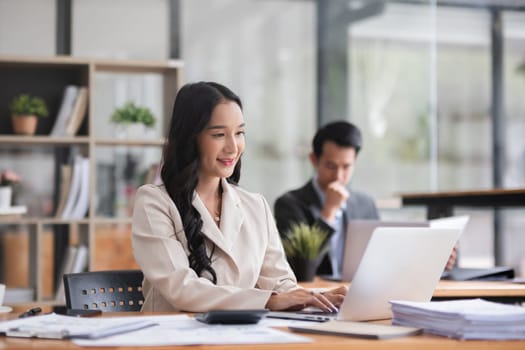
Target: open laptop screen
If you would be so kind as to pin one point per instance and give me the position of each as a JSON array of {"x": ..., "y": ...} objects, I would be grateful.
[{"x": 358, "y": 234}]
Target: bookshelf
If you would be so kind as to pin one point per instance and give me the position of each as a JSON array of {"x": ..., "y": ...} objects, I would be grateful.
[{"x": 106, "y": 232}]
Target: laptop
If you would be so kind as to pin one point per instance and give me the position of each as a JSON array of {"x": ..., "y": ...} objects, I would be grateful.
[
  {"x": 399, "y": 263},
  {"x": 459, "y": 222},
  {"x": 358, "y": 233},
  {"x": 496, "y": 273}
]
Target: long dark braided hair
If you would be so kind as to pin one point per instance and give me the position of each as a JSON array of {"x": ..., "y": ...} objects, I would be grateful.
[{"x": 192, "y": 111}]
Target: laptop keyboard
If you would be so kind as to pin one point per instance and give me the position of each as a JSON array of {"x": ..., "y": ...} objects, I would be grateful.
[{"x": 317, "y": 312}]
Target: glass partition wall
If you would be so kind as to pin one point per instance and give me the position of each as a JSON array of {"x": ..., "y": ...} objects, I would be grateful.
[
  {"x": 421, "y": 85},
  {"x": 415, "y": 76}
]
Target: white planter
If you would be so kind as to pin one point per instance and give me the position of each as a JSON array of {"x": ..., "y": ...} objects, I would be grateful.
[
  {"x": 133, "y": 131},
  {"x": 6, "y": 192}
]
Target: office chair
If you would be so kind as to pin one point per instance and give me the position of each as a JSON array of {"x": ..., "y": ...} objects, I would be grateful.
[{"x": 118, "y": 290}]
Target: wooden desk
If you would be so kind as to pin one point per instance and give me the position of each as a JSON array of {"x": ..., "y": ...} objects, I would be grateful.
[
  {"x": 491, "y": 290},
  {"x": 441, "y": 204},
  {"x": 320, "y": 342}
]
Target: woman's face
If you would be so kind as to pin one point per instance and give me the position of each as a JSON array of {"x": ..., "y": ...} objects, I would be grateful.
[{"x": 221, "y": 143}]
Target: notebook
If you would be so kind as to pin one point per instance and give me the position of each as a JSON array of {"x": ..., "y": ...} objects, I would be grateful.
[
  {"x": 399, "y": 263},
  {"x": 357, "y": 329},
  {"x": 358, "y": 233},
  {"x": 459, "y": 222}
]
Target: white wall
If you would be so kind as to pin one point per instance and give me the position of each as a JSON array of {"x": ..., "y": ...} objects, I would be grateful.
[
  {"x": 135, "y": 29},
  {"x": 27, "y": 27}
]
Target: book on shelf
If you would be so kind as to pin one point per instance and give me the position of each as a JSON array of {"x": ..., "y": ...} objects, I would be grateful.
[
  {"x": 64, "y": 112},
  {"x": 77, "y": 201},
  {"x": 12, "y": 213},
  {"x": 78, "y": 112},
  {"x": 73, "y": 188},
  {"x": 82, "y": 201},
  {"x": 64, "y": 188},
  {"x": 75, "y": 261},
  {"x": 81, "y": 259},
  {"x": 67, "y": 267}
]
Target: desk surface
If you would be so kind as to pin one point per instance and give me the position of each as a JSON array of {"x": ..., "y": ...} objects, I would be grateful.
[
  {"x": 455, "y": 289},
  {"x": 441, "y": 204},
  {"x": 444, "y": 289},
  {"x": 471, "y": 193},
  {"x": 494, "y": 290},
  {"x": 322, "y": 342},
  {"x": 480, "y": 198}
]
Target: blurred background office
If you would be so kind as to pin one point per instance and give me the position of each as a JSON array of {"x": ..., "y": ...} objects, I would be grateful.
[{"x": 420, "y": 78}]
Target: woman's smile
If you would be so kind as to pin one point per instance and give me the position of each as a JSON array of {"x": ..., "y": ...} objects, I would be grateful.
[{"x": 228, "y": 162}]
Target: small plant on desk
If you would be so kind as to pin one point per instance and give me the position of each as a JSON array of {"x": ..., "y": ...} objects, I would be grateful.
[{"x": 305, "y": 247}]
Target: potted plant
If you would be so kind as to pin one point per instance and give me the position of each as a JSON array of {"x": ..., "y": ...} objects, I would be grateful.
[
  {"x": 305, "y": 246},
  {"x": 132, "y": 119},
  {"x": 25, "y": 110}
]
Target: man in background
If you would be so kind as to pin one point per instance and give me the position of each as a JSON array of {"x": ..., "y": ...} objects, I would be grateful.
[{"x": 325, "y": 199}]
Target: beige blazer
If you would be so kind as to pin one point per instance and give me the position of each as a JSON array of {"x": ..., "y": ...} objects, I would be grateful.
[{"x": 248, "y": 259}]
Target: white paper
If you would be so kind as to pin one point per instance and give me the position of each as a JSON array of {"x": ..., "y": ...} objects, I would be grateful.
[
  {"x": 463, "y": 319},
  {"x": 60, "y": 326},
  {"x": 183, "y": 330}
]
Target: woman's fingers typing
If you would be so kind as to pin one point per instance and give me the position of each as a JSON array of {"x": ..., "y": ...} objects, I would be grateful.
[
  {"x": 327, "y": 305},
  {"x": 336, "y": 295},
  {"x": 299, "y": 299}
]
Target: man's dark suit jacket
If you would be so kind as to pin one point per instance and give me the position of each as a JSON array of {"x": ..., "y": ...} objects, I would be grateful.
[{"x": 304, "y": 205}]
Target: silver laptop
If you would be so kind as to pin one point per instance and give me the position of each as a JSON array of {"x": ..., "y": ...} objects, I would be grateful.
[
  {"x": 399, "y": 263},
  {"x": 459, "y": 222},
  {"x": 358, "y": 233}
]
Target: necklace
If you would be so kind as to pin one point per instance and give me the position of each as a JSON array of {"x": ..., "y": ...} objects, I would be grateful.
[
  {"x": 217, "y": 213},
  {"x": 217, "y": 217},
  {"x": 215, "y": 210}
]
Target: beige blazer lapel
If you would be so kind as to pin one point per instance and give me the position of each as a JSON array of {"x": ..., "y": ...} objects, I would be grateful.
[
  {"x": 209, "y": 228},
  {"x": 232, "y": 214},
  {"x": 231, "y": 219}
]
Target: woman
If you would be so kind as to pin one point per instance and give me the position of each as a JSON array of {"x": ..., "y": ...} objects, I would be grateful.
[{"x": 202, "y": 242}]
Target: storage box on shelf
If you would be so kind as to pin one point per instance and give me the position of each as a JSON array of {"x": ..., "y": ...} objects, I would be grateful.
[{"x": 109, "y": 164}]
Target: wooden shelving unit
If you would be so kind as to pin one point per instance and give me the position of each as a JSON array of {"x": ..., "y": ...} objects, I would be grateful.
[{"x": 47, "y": 77}]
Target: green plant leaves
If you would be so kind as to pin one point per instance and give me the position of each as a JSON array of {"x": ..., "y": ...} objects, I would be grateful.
[
  {"x": 305, "y": 241},
  {"x": 25, "y": 104},
  {"x": 130, "y": 113}
]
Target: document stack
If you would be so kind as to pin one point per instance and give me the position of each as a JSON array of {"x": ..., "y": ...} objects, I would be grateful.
[{"x": 463, "y": 319}]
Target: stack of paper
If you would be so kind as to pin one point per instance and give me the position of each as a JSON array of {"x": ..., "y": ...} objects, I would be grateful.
[
  {"x": 53, "y": 326},
  {"x": 462, "y": 319}
]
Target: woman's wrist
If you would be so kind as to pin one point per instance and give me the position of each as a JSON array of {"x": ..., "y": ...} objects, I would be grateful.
[{"x": 270, "y": 301}]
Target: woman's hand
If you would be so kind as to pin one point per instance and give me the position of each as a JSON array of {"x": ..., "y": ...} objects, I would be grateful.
[
  {"x": 300, "y": 298},
  {"x": 336, "y": 295},
  {"x": 452, "y": 259}
]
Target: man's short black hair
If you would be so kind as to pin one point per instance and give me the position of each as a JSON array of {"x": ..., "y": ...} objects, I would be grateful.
[{"x": 342, "y": 133}]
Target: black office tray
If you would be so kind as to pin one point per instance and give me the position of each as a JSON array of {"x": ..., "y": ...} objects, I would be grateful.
[
  {"x": 470, "y": 274},
  {"x": 231, "y": 316}
]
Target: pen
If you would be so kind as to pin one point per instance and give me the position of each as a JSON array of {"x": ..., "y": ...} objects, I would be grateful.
[{"x": 31, "y": 312}]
